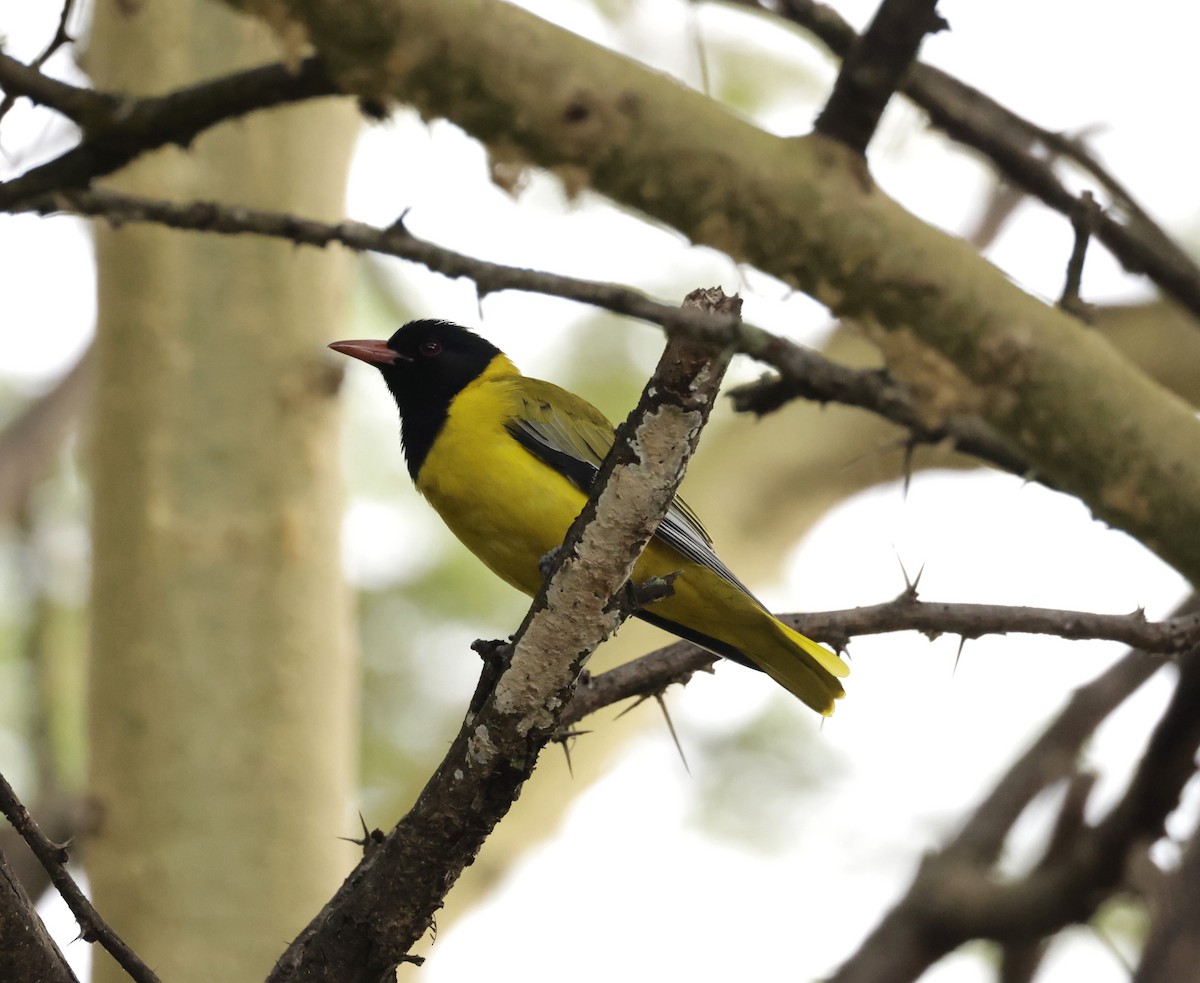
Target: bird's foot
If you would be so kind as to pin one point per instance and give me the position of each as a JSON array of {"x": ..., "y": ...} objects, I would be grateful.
[{"x": 633, "y": 597}]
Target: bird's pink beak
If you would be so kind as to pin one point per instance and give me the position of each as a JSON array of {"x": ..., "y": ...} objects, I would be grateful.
[{"x": 372, "y": 352}]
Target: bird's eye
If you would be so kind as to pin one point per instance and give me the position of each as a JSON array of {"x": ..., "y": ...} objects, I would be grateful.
[{"x": 430, "y": 348}]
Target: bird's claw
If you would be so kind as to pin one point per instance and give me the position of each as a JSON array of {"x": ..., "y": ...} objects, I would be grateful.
[{"x": 636, "y": 596}]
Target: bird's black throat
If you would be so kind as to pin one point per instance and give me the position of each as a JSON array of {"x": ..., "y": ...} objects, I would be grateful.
[{"x": 439, "y": 360}]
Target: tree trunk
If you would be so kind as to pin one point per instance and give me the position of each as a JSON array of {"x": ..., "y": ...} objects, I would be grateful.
[{"x": 223, "y": 684}]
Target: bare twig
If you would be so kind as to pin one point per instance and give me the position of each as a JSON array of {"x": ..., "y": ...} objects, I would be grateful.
[
  {"x": 639, "y": 678},
  {"x": 1083, "y": 221},
  {"x": 966, "y": 903},
  {"x": 873, "y": 68},
  {"x": 118, "y": 129},
  {"x": 53, "y": 857},
  {"x": 908, "y": 940},
  {"x": 61, "y": 37}
]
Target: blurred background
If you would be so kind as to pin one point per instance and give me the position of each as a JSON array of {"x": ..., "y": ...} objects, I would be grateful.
[{"x": 782, "y": 840}]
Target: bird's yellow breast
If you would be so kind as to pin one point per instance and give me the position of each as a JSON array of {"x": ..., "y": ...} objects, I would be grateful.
[{"x": 506, "y": 506}]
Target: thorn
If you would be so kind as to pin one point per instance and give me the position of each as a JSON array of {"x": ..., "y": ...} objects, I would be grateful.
[
  {"x": 562, "y": 738},
  {"x": 637, "y": 596},
  {"x": 632, "y": 706},
  {"x": 562, "y": 735},
  {"x": 909, "y": 448},
  {"x": 910, "y": 586},
  {"x": 398, "y": 224},
  {"x": 370, "y": 838},
  {"x": 917, "y": 581},
  {"x": 962, "y": 643},
  {"x": 662, "y": 705}
]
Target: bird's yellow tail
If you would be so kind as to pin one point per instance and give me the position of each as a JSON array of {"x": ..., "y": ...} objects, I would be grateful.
[{"x": 808, "y": 671}]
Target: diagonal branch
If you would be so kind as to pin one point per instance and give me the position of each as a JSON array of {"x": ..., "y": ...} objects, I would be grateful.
[
  {"x": 118, "y": 129},
  {"x": 873, "y": 69},
  {"x": 389, "y": 901},
  {"x": 53, "y": 858},
  {"x": 802, "y": 371}
]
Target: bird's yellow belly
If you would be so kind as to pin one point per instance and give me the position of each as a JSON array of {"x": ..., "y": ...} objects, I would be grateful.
[
  {"x": 509, "y": 508},
  {"x": 504, "y": 505}
]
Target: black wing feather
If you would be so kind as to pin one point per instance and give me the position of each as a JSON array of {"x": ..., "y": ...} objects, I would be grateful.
[{"x": 680, "y": 529}]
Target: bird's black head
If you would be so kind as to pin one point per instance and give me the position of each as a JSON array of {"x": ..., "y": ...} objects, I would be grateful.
[{"x": 425, "y": 365}]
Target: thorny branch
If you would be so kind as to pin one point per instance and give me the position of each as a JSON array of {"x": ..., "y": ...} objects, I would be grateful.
[
  {"x": 802, "y": 371},
  {"x": 678, "y": 662},
  {"x": 53, "y": 858},
  {"x": 1172, "y": 637}
]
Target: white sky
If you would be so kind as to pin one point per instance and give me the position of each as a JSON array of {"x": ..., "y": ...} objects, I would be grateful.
[{"x": 916, "y": 741}]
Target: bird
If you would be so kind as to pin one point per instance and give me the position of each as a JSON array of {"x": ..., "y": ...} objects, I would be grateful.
[{"x": 508, "y": 461}]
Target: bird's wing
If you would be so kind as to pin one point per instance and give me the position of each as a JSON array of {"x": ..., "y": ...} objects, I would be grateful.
[{"x": 573, "y": 437}]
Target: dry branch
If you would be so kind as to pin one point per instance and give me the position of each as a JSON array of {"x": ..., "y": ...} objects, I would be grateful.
[
  {"x": 53, "y": 857},
  {"x": 118, "y": 130},
  {"x": 803, "y": 372}
]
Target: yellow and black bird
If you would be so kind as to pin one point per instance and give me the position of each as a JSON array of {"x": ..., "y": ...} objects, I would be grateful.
[{"x": 508, "y": 462}]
